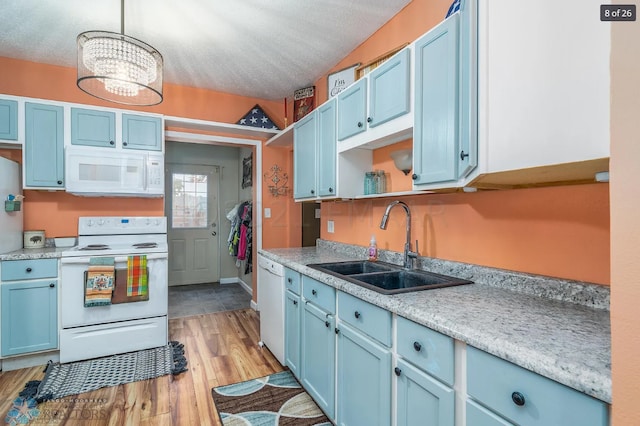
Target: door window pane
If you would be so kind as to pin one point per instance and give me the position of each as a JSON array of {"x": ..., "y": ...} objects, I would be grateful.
[{"x": 189, "y": 209}]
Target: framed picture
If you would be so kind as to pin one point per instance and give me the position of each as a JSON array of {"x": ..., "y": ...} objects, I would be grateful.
[
  {"x": 339, "y": 80},
  {"x": 247, "y": 171},
  {"x": 365, "y": 69},
  {"x": 304, "y": 101}
]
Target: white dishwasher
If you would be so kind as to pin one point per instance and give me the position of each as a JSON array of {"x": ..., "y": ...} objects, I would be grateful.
[{"x": 271, "y": 306}]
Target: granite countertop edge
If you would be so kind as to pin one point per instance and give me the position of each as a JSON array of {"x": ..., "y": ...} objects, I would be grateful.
[
  {"x": 581, "y": 370},
  {"x": 37, "y": 253}
]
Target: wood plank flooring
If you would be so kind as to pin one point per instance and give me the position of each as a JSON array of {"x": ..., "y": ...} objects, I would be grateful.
[{"x": 221, "y": 348}]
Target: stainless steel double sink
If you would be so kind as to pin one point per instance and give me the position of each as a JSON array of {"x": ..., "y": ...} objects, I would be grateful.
[{"x": 387, "y": 278}]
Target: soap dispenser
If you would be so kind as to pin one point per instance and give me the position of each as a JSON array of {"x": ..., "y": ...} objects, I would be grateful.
[{"x": 373, "y": 249}]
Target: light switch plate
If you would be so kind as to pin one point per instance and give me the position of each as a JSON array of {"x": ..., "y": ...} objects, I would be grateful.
[
  {"x": 330, "y": 226},
  {"x": 317, "y": 213},
  {"x": 267, "y": 212}
]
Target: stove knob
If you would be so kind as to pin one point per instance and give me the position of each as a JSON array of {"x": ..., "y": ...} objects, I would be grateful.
[
  {"x": 101, "y": 222},
  {"x": 148, "y": 222},
  {"x": 90, "y": 223}
]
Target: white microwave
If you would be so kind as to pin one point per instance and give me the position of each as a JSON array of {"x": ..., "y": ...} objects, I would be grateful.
[{"x": 111, "y": 173}]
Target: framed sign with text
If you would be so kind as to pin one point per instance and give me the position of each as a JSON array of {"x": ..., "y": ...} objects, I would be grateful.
[{"x": 339, "y": 80}]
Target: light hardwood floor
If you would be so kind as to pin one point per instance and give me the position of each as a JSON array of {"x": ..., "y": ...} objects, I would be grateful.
[{"x": 221, "y": 348}]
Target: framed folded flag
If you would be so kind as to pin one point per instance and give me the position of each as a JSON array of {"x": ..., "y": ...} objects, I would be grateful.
[{"x": 256, "y": 117}]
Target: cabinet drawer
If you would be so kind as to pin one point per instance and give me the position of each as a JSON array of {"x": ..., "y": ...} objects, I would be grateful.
[
  {"x": 29, "y": 269},
  {"x": 368, "y": 318},
  {"x": 320, "y": 294},
  {"x": 426, "y": 348},
  {"x": 292, "y": 280},
  {"x": 524, "y": 397},
  {"x": 479, "y": 416}
]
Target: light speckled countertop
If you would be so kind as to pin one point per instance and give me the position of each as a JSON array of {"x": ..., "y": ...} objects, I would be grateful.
[
  {"x": 29, "y": 254},
  {"x": 557, "y": 328}
]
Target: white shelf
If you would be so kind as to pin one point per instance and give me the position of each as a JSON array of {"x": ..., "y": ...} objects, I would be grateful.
[
  {"x": 283, "y": 139},
  {"x": 392, "y": 194},
  {"x": 214, "y": 126}
]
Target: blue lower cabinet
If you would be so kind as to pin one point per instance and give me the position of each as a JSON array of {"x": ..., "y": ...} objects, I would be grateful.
[
  {"x": 29, "y": 316},
  {"x": 479, "y": 416},
  {"x": 292, "y": 332},
  {"x": 421, "y": 399},
  {"x": 526, "y": 398},
  {"x": 364, "y": 380},
  {"x": 318, "y": 360}
]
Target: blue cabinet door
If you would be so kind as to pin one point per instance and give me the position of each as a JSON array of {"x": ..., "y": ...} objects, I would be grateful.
[
  {"x": 8, "y": 119},
  {"x": 389, "y": 89},
  {"x": 292, "y": 332},
  {"x": 352, "y": 112},
  {"x": 93, "y": 128},
  {"x": 435, "y": 132},
  {"x": 479, "y": 416},
  {"x": 44, "y": 146},
  {"x": 327, "y": 149},
  {"x": 304, "y": 157},
  {"x": 364, "y": 380},
  {"x": 141, "y": 132},
  {"x": 422, "y": 400},
  {"x": 318, "y": 357},
  {"x": 468, "y": 157},
  {"x": 29, "y": 316}
]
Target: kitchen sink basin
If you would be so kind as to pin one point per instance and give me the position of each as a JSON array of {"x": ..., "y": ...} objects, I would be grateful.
[
  {"x": 355, "y": 267},
  {"x": 387, "y": 278}
]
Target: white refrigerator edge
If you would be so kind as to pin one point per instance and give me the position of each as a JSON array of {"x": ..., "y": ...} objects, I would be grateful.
[{"x": 11, "y": 223}]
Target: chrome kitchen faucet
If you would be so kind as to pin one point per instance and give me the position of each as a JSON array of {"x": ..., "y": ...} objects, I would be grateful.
[{"x": 408, "y": 254}]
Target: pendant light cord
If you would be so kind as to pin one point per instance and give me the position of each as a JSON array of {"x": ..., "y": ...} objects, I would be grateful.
[{"x": 122, "y": 17}]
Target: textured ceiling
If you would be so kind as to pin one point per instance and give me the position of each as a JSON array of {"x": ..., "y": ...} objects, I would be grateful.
[{"x": 258, "y": 48}]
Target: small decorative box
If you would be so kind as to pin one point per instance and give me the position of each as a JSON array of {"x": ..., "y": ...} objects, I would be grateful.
[{"x": 12, "y": 206}]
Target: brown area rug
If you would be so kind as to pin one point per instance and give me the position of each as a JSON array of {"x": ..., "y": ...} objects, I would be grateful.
[{"x": 277, "y": 399}]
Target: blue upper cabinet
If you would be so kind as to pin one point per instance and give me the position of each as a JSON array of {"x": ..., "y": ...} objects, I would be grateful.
[
  {"x": 468, "y": 156},
  {"x": 93, "y": 127},
  {"x": 304, "y": 157},
  {"x": 389, "y": 89},
  {"x": 435, "y": 140},
  {"x": 8, "y": 119},
  {"x": 352, "y": 112},
  {"x": 141, "y": 132},
  {"x": 327, "y": 149},
  {"x": 44, "y": 146}
]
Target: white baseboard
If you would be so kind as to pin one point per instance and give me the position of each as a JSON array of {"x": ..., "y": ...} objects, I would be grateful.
[{"x": 234, "y": 280}]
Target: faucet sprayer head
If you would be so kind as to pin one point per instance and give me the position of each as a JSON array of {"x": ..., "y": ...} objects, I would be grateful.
[{"x": 385, "y": 219}]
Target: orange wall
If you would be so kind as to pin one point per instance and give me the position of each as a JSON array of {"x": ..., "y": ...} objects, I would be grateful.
[
  {"x": 625, "y": 224},
  {"x": 57, "y": 212},
  {"x": 560, "y": 232}
]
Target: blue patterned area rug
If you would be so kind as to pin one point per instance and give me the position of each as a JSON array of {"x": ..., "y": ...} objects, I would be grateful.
[{"x": 277, "y": 399}]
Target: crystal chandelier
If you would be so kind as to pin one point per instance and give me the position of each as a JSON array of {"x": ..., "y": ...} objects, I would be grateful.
[{"x": 119, "y": 68}]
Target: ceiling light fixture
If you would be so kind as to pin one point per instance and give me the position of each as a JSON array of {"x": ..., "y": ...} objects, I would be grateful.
[{"x": 119, "y": 68}]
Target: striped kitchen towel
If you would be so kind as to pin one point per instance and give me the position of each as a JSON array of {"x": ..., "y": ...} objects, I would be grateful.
[
  {"x": 137, "y": 277},
  {"x": 99, "y": 280}
]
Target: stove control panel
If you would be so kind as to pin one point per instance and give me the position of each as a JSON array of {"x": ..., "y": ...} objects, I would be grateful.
[{"x": 114, "y": 225}]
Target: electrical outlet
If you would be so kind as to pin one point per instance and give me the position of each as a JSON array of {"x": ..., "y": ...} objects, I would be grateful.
[
  {"x": 330, "y": 226},
  {"x": 267, "y": 212}
]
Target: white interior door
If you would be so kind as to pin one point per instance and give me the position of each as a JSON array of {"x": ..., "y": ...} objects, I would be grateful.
[{"x": 193, "y": 214}]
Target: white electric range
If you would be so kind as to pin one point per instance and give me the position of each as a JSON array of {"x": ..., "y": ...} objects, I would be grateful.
[{"x": 91, "y": 332}]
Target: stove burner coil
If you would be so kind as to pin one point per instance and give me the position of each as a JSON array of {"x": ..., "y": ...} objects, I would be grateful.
[
  {"x": 95, "y": 247},
  {"x": 145, "y": 245}
]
